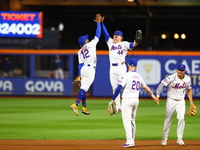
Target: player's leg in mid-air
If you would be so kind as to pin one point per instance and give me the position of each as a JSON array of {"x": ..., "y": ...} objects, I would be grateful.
[
  {"x": 113, "y": 81},
  {"x": 87, "y": 79},
  {"x": 116, "y": 72}
]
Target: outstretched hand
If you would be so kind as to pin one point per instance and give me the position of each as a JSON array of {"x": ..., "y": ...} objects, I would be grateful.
[
  {"x": 156, "y": 99},
  {"x": 102, "y": 19},
  {"x": 98, "y": 18}
]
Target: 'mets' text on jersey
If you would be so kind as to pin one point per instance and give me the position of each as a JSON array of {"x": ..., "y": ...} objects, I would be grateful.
[
  {"x": 177, "y": 87},
  {"x": 118, "y": 51}
]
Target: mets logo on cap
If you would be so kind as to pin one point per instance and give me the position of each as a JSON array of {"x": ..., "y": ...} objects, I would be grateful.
[
  {"x": 181, "y": 67},
  {"x": 117, "y": 32}
]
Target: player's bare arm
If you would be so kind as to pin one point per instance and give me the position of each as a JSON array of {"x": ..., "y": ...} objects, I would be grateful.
[
  {"x": 147, "y": 89},
  {"x": 135, "y": 44},
  {"x": 161, "y": 85},
  {"x": 190, "y": 96}
]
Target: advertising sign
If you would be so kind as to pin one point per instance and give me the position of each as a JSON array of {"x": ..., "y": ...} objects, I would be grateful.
[
  {"x": 39, "y": 87},
  {"x": 153, "y": 69},
  {"x": 21, "y": 24}
]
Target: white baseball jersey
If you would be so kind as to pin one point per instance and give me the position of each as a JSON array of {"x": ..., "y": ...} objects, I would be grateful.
[
  {"x": 177, "y": 87},
  {"x": 132, "y": 82},
  {"x": 87, "y": 53},
  {"x": 117, "y": 51}
]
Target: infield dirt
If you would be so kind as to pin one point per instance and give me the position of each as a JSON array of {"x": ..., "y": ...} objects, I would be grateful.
[{"x": 94, "y": 145}]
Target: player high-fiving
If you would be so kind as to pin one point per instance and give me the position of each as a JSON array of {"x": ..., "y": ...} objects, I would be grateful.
[
  {"x": 87, "y": 64},
  {"x": 117, "y": 53}
]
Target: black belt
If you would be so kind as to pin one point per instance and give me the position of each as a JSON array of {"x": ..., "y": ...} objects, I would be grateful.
[{"x": 117, "y": 64}]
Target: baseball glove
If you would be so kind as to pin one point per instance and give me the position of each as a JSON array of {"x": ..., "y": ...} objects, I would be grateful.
[
  {"x": 77, "y": 82},
  {"x": 192, "y": 110},
  {"x": 112, "y": 108},
  {"x": 138, "y": 36}
]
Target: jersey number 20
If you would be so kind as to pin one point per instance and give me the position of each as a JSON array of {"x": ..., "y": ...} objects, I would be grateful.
[{"x": 135, "y": 85}]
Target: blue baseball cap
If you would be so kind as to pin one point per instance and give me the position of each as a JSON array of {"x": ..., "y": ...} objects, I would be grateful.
[
  {"x": 82, "y": 39},
  {"x": 181, "y": 67},
  {"x": 117, "y": 32},
  {"x": 133, "y": 62}
]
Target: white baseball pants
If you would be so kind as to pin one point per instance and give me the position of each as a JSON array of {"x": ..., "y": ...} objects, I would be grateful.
[
  {"x": 116, "y": 72},
  {"x": 87, "y": 77},
  {"x": 129, "y": 109},
  {"x": 59, "y": 74},
  {"x": 172, "y": 106}
]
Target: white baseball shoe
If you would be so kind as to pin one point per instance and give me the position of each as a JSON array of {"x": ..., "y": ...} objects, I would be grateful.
[
  {"x": 118, "y": 111},
  {"x": 164, "y": 142},
  {"x": 128, "y": 145},
  {"x": 180, "y": 142}
]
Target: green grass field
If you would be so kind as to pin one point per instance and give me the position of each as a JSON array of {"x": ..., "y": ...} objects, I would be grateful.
[{"x": 34, "y": 118}]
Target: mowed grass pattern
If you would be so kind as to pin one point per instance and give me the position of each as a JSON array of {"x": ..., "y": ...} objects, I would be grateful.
[{"x": 34, "y": 118}]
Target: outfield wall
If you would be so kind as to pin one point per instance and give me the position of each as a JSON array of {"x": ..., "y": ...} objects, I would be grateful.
[{"x": 152, "y": 65}]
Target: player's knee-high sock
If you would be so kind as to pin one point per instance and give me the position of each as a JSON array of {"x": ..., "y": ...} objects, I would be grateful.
[
  {"x": 84, "y": 101},
  {"x": 81, "y": 96}
]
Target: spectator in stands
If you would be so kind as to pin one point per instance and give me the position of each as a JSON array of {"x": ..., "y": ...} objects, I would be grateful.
[
  {"x": 58, "y": 67},
  {"x": 7, "y": 67}
]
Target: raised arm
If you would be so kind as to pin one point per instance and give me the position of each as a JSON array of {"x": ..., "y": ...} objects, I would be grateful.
[
  {"x": 105, "y": 32},
  {"x": 138, "y": 38},
  {"x": 98, "y": 19}
]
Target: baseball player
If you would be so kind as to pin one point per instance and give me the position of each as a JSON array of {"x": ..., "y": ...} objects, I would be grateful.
[
  {"x": 178, "y": 83},
  {"x": 58, "y": 66},
  {"x": 117, "y": 53},
  {"x": 87, "y": 63},
  {"x": 131, "y": 83}
]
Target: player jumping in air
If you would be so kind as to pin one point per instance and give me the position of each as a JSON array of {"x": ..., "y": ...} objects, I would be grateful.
[
  {"x": 87, "y": 63},
  {"x": 117, "y": 53}
]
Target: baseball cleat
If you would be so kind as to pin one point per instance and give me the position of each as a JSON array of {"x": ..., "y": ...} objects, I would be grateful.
[
  {"x": 180, "y": 142},
  {"x": 118, "y": 111},
  {"x": 164, "y": 142},
  {"x": 128, "y": 145},
  {"x": 85, "y": 110},
  {"x": 75, "y": 109}
]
